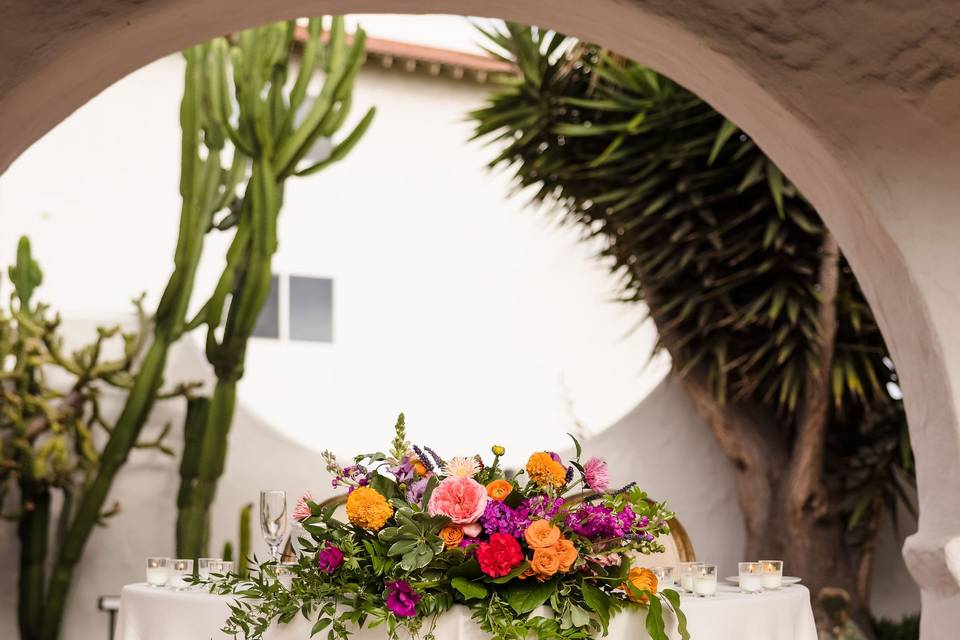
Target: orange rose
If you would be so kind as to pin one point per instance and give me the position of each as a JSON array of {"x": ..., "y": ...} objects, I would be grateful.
[
  {"x": 642, "y": 579},
  {"x": 546, "y": 562},
  {"x": 499, "y": 490},
  {"x": 527, "y": 573},
  {"x": 451, "y": 536},
  {"x": 567, "y": 552},
  {"x": 541, "y": 534}
]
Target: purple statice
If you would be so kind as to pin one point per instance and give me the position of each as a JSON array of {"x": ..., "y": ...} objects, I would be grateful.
[
  {"x": 598, "y": 522},
  {"x": 404, "y": 472},
  {"x": 416, "y": 490}
]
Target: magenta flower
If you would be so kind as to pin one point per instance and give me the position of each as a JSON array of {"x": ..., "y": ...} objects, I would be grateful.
[
  {"x": 401, "y": 599},
  {"x": 329, "y": 558},
  {"x": 596, "y": 475},
  {"x": 302, "y": 511}
]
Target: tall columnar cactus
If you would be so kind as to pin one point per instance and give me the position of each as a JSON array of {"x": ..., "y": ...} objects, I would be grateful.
[
  {"x": 206, "y": 188},
  {"x": 273, "y": 129}
]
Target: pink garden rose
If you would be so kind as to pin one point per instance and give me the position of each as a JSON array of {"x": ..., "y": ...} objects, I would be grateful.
[{"x": 460, "y": 499}]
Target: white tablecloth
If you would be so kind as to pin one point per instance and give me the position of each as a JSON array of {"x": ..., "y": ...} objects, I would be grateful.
[{"x": 147, "y": 613}]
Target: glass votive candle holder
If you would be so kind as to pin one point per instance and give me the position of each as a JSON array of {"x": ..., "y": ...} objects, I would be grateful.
[
  {"x": 772, "y": 574},
  {"x": 705, "y": 580},
  {"x": 665, "y": 579},
  {"x": 180, "y": 570},
  {"x": 284, "y": 575},
  {"x": 158, "y": 571},
  {"x": 206, "y": 566},
  {"x": 226, "y": 567},
  {"x": 685, "y": 575},
  {"x": 751, "y": 577}
]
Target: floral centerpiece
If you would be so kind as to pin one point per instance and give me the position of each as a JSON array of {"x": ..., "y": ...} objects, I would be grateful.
[{"x": 548, "y": 552}]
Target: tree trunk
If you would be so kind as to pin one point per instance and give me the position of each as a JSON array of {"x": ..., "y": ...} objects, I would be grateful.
[{"x": 780, "y": 477}]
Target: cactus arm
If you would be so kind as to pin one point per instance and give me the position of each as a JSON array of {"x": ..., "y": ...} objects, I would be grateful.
[
  {"x": 32, "y": 529},
  {"x": 190, "y": 538},
  {"x": 243, "y": 560},
  {"x": 340, "y": 151}
]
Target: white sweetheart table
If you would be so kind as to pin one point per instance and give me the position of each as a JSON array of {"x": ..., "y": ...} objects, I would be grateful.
[{"x": 148, "y": 613}]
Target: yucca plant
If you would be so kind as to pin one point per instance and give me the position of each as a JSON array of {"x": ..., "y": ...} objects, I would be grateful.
[{"x": 768, "y": 330}]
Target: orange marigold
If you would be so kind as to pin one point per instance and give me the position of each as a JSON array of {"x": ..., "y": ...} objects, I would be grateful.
[
  {"x": 499, "y": 490},
  {"x": 546, "y": 471},
  {"x": 367, "y": 509},
  {"x": 642, "y": 579}
]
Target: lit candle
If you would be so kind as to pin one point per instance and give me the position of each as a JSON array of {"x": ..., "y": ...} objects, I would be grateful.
[
  {"x": 772, "y": 574},
  {"x": 751, "y": 577},
  {"x": 705, "y": 580},
  {"x": 206, "y": 566},
  {"x": 158, "y": 571},
  {"x": 664, "y": 575},
  {"x": 181, "y": 568},
  {"x": 685, "y": 569}
]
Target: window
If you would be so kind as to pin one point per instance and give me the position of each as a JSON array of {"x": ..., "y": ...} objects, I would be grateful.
[
  {"x": 268, "y": 322},
  {"x": 297, "y": 308},
  {"x": 311, "y": 309}
]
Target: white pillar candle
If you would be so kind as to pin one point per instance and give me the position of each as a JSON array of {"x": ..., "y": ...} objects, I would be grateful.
[
  {"x": 751, "y": 583},
  {"x": 704, "y": 585},
  {"x": 181, "y": 569},
  {"x": 772, "y": 581},
  {"x": 157, "y": 576},
  {"x": 772, "y": 574},
  {"x": 158, "y": 571}
]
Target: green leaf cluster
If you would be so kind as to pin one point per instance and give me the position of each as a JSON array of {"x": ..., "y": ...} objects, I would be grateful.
[{"x": 701, "y": 227}]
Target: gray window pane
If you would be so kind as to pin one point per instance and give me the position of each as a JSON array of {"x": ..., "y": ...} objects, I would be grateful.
[
  {"x": 268, "y": 322},
  {"x": 311, "y": 309}
]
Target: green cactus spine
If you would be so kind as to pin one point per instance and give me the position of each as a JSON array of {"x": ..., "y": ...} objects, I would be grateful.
[{"x": 265, "y": 133}]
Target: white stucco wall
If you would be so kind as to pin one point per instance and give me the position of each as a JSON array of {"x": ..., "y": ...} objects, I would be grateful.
[{"x": 447, "y": 293}]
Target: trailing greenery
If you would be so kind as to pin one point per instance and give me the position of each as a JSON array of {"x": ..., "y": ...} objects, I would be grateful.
[
  {"x": 908, "y": 628},
  {"x": 424, "y": 534},
  {"x": 702, "y": 227},
  {"x": 267, "y": 128},
  {"x": 56, "y": 442}
]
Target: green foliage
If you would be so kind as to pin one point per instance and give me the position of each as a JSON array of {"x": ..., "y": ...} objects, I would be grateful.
[
  {"x": 414, "y": 540},
  {"x": 908, "y": 628},
  {"x": 56, "y": 441},
  {"x": 267, "y": 135},
  {"x": 700, "y": 226}
]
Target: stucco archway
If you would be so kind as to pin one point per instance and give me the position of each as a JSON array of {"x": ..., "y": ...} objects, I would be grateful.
[{"x": 857, "y": 102}]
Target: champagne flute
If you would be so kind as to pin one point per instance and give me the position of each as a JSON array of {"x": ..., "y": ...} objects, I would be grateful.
[{"x": 273, "y": 520}]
